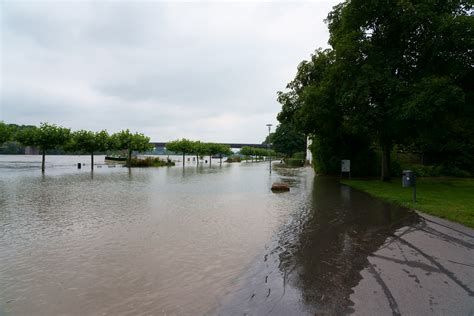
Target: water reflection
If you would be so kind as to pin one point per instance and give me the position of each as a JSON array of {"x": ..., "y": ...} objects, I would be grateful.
[
  {"x": 139, "y": 241},
  {"x": 342, "y": 229},
  {"x": 316, "y": 258}
]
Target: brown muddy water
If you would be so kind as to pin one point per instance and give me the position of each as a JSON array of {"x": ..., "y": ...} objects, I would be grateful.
[{"x": 180, "y": 241}]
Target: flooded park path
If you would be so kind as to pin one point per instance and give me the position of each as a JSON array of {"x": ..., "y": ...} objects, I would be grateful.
[
  {"x": 345, "y": 252},
  {"x": 197, "y": 241}
]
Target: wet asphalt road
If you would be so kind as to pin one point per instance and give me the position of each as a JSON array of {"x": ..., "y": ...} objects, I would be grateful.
[
  {"x": 344, "y": 252},
  {"x": 424, "y": 269}
]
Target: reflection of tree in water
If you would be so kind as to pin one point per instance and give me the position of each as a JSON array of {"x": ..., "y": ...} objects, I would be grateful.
[{"x": 326, "y": 245}]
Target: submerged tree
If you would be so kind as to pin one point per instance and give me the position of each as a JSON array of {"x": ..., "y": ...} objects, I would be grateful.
[
  {"x": 90, "y": 142},
  {"x": 213, "y": 149},
  {"x": 247, "y": 151},
  {"x": 255, "y": 152},
  {"x": 125, "y": 140},
  {"x": 223, "y": 150},
  {"x": 46, "y": 137},
  {"x": 181, "y": 146},
  {"x": 198, "y": 148}
]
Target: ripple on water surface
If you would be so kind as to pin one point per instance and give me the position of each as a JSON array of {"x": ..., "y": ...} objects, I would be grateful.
[{"x": 162, "y": 240}]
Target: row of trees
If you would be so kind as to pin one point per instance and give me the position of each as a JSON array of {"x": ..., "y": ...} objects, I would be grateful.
[
  {"x": 257, "y": 152},
  {"x": 50, "y": 136},
  {"x": 198, "y": 148},
  {"x": 201, "y": 149},
  {"x": 399, "y": 74}
]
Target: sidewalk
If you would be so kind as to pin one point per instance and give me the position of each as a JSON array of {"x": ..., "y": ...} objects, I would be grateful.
[{"x": 427, "y": 268}]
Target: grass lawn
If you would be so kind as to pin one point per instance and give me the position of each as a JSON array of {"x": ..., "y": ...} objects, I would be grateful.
[{"x": 449, "y": 198}]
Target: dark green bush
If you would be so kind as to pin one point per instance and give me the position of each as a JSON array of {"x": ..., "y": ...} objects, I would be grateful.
[
  {"x": 234, "y": 159},
  {"x": 396, "y": 168},
  {"x": 435, "y": 170},
  {"x": 149, "y": 162},
  {"x": 454, "y": 171},
  {"x": 292, "y": 162},
  {"x": 299, "y": 155}
]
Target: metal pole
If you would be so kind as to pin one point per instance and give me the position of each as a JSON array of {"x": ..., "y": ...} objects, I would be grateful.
[{"x": 269, "y": 128}]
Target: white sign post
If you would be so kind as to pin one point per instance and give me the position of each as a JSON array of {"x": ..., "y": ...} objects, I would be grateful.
[{"x": 346, "y": 167}]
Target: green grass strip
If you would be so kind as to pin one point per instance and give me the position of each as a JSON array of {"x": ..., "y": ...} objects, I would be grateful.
[{"x": 449, "y": 198}]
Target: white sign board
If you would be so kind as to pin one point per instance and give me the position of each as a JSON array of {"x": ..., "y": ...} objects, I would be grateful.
[{"x": 345, "y": 166}]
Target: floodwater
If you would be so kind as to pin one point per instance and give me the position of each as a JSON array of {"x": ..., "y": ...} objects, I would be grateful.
[
  {"x": 315, "y": 259},
  {"x": 181, "y": 241}
]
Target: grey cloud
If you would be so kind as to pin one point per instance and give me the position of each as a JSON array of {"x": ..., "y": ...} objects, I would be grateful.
[{"x": 169, "y": 69}]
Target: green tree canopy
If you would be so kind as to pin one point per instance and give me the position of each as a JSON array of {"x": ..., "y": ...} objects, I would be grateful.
[
  {"x": 46, "y": 137},
  {"x": 90, "y": 142},
  {"x": 257, "y": 152},
  {"x": 395, "y": 69},
  {"x": 182, "y": 146},
  {"x": 125, "y": 140},
  {"x": 224, "y": 150},
  {"x": 385, "y": 51},
  {"x": 198, "y": 148},
  {"x": 5, "y": 133},
  {"x": 212, "y": 149},
  {"x": 247, "y": 151},
  {"x": 287, "y": 140}
]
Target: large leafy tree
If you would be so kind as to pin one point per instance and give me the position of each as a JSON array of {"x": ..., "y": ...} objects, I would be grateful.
[
  {"x": 386, "y": 50},
  {"x": 287, "y": 140},
  {"x": 223, "y": 150},
  {"x": 182, "y": 146},
  {"x": 211, "y": 149},
  {"x": 90, "y": 142},
  {"x": 199, "y": 149},
  {"x": 5, "y": 133},
  {"x": 309, "y": 106},
  {"x": 46, "y": 137},
  {"x": 248, "y": 151},
  {"x": 396, "y": 70},
  {"x": 125, "y": 140},
  {"x": 256, "y": 152}
]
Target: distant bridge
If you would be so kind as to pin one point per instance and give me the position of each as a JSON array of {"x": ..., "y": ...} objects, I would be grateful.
[{"x": 232, "y": 145}]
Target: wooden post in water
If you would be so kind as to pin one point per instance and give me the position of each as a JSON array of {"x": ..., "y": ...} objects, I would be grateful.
[{"x": 43, "y": 160}]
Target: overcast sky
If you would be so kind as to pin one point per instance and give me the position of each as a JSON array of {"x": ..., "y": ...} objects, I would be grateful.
[{"x": 207, "y": 70}]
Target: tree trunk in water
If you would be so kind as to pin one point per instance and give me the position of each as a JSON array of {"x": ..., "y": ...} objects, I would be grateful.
[
  {"x": 129, "y": 158},
  {"x": 197, "y": 160},
  {"x": 210, "y": 159},
  {"x": 92, "y": 161},
  {"x": 43, "y": 153},
  {"x": 220, "y": 159},
  {"x": 183, "y": 159},
  {"x": 385, "y": 173}
]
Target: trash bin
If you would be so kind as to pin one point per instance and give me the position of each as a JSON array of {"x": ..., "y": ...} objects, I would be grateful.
[{"x": 408, "y": 178}]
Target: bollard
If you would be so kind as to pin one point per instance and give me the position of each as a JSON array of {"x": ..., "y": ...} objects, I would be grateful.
[{"x": 409, "y": 180}]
